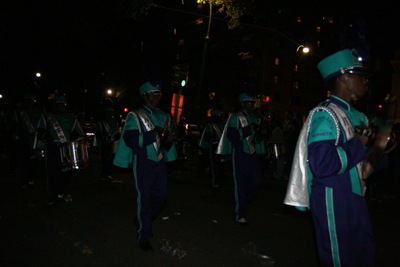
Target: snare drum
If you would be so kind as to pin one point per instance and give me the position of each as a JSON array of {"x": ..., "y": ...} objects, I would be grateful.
[{"x": 74, "y": 154}]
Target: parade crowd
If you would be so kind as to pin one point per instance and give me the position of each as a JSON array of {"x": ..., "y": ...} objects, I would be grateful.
[{"x": 322, "y": 161}]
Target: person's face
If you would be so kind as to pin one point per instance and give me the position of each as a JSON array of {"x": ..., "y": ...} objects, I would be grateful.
[
  {"x": 60, "y": 107},
  {"x": 152, "y": 100},
  {"x": 248, "y": 105},
  {"x": 358, "y": 83}
]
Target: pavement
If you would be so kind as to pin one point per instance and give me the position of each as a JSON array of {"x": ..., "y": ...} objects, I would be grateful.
[{"x": 195, "y": 228}]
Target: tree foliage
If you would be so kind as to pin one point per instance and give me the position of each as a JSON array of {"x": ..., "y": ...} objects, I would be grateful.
[{"x": 234, "y": 9}]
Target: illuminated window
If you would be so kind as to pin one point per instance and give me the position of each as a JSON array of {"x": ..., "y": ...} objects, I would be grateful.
[
  {"x": 199, "y": 21},
  {"x": 330, "y": 20},
  {"x": 318, "y": 28},
  {"x": 296, "y": 67},
  {"x": 299, "y": 19},
  {"x": 318, "y": 43},
  {"x": 181, "y": 42},
  {"x": 177, "y": 56},
  {"x": 277, "y": 61},
  {"x": 174, "y": 31},
  {"x": 296, "y": 84},
  {"x": 277, "y": 79}
]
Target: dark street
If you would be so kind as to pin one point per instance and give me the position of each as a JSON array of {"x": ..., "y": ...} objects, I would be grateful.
[{"x": 96, "y": 229}]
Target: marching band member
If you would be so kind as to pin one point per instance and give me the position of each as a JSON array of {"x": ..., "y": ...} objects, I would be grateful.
[
  {"x": 209, "y": 141},
  {"x": 147, "y": 144},
  {"x": 107, "y": 133},
  {"x": 241, "y": 139},
  {"x": 57, "y": 128},
  {"x": 327, "y": 168},
  {"x": 28, "y": 122}
]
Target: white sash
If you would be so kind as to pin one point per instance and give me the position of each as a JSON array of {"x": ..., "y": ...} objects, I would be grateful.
[
  {"x": 148, "y": 125},
  {"x": 57, "y": 128},
  {"x": 24, "y": 115}
]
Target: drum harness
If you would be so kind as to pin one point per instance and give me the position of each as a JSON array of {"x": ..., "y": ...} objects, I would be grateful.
[{"x": 57, "y": 128}]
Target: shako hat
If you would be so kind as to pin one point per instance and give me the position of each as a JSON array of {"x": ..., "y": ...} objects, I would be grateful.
[
  {"x": 344, "y": 61},
  {"x": 148, "y": 88}
]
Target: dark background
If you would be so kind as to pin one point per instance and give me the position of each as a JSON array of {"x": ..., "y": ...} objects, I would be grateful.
[{"x": 89, "y": 46}]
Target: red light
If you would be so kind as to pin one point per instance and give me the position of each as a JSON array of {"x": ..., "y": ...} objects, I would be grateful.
[
  {"x": 266, "y": 99},
  {"x": 380, "y": 106},
  {"x": 126, "y": 109}
]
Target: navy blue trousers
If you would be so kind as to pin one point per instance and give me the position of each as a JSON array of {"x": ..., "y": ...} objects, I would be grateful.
[
  {"x": 107, "y": 158},
  {"x": 57, "y": 180},
  {"x": 343, "y": 228},
  {"x": 247, "y": 179},
  {"x": 151, "y": 189}
]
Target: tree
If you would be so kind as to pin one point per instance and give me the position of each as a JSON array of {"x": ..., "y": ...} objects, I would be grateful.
[{"x": 234, "y": 9}]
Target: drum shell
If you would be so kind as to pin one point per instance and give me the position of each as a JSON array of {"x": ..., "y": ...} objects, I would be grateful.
[{"x": 74, "y": 154}]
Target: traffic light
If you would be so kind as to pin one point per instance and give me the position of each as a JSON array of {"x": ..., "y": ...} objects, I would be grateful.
[
  {"x": 180, "y": 76},
  {"x": 184, "y": 75},
  {"x": 126, "y": 110}
]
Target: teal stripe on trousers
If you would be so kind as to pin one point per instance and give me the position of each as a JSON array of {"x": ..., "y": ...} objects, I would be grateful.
[{"x": 331, "y": 226}]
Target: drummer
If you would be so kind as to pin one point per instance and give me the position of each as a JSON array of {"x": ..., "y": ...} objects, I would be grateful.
[
  {"x": 56, "y": 128},
  {"x": 107, "y": 137}
]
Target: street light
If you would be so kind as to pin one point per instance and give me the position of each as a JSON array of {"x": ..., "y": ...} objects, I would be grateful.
[
  {"x": 38, "y": 74},
  {"x": 305, "y": 50},
  {"x": 109, "y": 91}
]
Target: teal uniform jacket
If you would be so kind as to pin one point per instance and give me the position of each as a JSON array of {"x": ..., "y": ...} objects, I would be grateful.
[
  {"x": 102, "y": 133},
  {"x": 142, "y": 142},
  {"x": 69, "y": 124},
  {"x": 238, "y": 134}
]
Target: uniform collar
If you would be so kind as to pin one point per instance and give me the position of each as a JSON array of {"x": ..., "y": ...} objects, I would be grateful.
[
  {"x": 340, "y": 102},
  {"x": 149, "y": 111},
  {"x": 245, "y": 112}
]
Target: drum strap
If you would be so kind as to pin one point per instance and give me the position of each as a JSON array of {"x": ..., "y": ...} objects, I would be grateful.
[
  {"x": 243, "y": 121},
  {"x": 24, "y": 115},
  {"x": 148, "y": 125},
  {"x": 216, "y": 129},
  {"x": 57, "y": 128}
]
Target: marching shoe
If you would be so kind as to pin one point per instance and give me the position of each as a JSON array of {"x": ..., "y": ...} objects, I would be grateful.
[
  {"x": 145, "y": 246},
  {"x": 242, "y": 221}
]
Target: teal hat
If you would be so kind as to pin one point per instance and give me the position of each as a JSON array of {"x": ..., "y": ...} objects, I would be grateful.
[
  {"x": 60, "y": 99},
  {"x": 148, "y": 88},
  {"x": 215, "y": 112},
  {"x": 344, "y": 61},
  {"x": 246, "y": 97}
]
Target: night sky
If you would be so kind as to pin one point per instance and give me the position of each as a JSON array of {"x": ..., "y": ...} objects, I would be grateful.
[{"x": 84, "y": 44}]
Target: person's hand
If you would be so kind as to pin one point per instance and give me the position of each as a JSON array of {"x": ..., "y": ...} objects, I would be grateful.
[
  {"x": 362, "y": 132},
  {"x": 171, "y": 137},
  {"x": 157, "y": 130}
]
